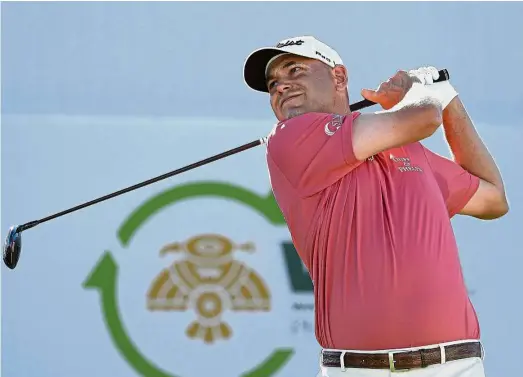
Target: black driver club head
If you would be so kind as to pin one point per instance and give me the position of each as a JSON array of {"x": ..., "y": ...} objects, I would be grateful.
[{"x": 12, "y": 247}]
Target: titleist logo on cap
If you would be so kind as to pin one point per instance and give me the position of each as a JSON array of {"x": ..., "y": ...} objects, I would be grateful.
[{"x": 290, "y": 43}]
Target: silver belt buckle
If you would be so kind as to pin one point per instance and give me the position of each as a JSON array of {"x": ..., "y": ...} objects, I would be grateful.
[{"x": 392, "y": 367}]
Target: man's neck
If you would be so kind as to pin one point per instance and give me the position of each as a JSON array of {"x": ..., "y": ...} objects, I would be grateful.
[{"x": 342, "y": 106}]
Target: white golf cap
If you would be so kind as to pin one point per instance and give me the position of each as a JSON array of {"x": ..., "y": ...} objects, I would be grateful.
[{"x": 256, "y": 64}]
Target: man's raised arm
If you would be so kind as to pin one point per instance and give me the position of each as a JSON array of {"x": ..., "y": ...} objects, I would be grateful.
[{"x": 469, "y": 151}]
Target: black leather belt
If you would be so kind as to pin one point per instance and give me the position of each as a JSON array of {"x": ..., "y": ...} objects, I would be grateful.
[{"x": 399, "y": 360}]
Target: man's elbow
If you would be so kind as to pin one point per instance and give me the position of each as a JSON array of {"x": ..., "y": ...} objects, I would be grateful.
[
  {"x": 502, "y": 207},
  {"x": 488, "y": 203},
  {"x": 496, "y": 209}
]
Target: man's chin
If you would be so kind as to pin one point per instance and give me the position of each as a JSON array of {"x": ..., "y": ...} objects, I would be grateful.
[{"x": 294, "y": 112}]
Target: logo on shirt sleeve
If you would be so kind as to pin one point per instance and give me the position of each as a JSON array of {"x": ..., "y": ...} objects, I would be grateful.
[{"x": 334, "y": 124}]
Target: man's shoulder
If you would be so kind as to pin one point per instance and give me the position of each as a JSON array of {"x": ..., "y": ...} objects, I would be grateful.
[
  {"x": 311, "y": 121},
  {"x": 288, "y": 129}
]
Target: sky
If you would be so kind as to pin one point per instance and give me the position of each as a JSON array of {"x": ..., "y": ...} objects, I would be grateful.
[{"x": 186, "y": 58}]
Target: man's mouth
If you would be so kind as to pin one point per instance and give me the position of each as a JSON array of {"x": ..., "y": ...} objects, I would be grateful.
[{"x": 286, "y": 99}]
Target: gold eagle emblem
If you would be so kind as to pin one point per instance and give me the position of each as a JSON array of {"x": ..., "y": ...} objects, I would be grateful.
[{"x": 209, "y": 281}]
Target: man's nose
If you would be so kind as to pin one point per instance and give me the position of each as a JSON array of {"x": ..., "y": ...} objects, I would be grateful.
[{"x": 283, "y": 87}]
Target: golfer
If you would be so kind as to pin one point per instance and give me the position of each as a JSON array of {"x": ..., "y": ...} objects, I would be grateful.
[{"x": 369, "y": 209}]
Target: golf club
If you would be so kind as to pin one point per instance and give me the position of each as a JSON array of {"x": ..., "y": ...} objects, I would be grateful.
[{"x": 13, "y": 242}]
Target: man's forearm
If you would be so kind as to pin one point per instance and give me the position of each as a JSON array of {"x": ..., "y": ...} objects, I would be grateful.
[{"x": 468, "y": 149}]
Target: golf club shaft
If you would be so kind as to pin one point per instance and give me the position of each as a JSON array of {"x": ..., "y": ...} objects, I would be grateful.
[
  {"x": 144, "y": 183},
  {"x": 444, "y": 75}
]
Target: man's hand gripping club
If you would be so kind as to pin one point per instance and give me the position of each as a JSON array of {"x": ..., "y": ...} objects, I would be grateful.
[
  {"x": 404, "y": 88},
  {"x": 413, "y": 112}
]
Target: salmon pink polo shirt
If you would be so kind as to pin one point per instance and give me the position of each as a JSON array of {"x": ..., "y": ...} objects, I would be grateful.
[{"x": 375, "y": 235}]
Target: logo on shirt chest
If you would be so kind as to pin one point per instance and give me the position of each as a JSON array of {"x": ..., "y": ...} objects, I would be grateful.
[
  {"x": 404, "y": 164},
  {"x": 333, "y": 125}
]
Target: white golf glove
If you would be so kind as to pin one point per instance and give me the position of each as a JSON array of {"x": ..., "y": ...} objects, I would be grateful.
[{"x": 442, "y": 91}]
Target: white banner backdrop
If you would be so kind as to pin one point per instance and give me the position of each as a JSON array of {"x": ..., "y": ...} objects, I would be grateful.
[{"x": 90, "y": 295}]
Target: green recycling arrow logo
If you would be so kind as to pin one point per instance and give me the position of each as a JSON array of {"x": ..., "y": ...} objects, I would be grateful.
[{"x": 103, "y": 277}]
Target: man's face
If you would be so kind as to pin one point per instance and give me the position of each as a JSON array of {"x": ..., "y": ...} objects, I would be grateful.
[{"x": 298, "y": 85}]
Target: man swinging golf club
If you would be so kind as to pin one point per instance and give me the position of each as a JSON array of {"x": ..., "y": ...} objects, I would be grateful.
[{"x": 369, "y": 208}]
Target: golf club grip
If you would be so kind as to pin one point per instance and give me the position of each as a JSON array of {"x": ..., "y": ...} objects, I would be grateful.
[{"x": 443, "y": 76}]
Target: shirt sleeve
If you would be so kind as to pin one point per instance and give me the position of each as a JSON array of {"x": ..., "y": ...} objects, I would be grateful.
[
  {"x": 457, "y": 185},
  {"x": 313, "y": 150}
]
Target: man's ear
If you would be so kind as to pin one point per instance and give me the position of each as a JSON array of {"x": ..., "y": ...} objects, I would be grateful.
[{"x": 341, "y": 77}]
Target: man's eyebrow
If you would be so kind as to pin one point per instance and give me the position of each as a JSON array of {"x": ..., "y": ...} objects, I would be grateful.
[{"x": 286, "y": 65}]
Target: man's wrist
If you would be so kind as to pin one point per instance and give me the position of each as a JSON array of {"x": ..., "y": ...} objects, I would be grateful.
[
  {"x": 452, "y": 108},
  {"x": 444, "y": 92}
]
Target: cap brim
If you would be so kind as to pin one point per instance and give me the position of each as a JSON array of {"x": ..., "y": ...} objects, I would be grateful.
[{"x": 254, "y": 68}]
